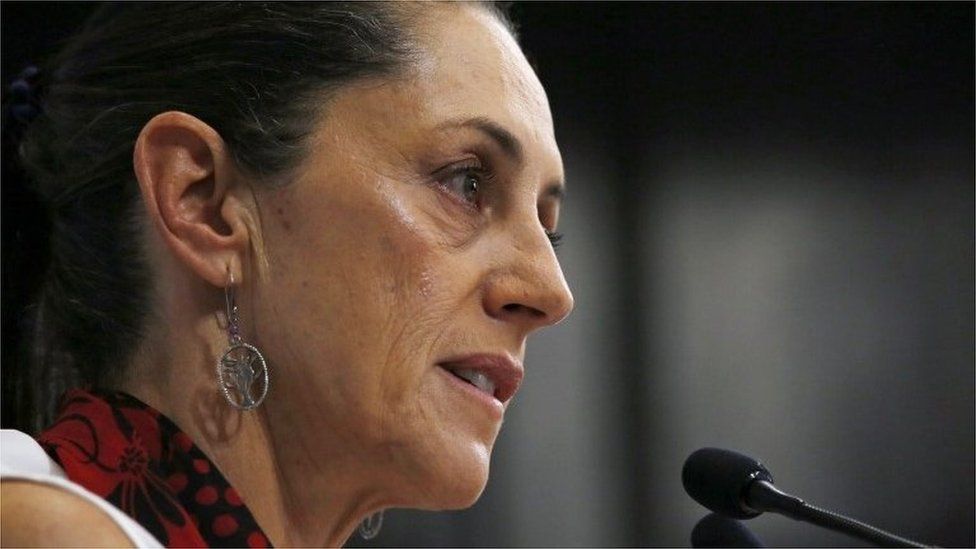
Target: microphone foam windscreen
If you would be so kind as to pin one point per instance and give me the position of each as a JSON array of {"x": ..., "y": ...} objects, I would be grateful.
[
  {"x": 718, "y": 479},
  {"x": 717, "y": 531}
]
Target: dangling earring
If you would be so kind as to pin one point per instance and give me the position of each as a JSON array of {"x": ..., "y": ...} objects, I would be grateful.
[
  {"x": 369, "y": 528},
  {"x": 241, "y": 365}
]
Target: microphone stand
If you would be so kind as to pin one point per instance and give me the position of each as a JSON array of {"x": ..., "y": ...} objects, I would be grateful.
[{"x": 763, "y": 496}]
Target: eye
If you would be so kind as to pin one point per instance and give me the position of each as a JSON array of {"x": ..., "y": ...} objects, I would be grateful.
[
  {"x": 555, "y": 238},
  {"x": 465, "y": 182}
]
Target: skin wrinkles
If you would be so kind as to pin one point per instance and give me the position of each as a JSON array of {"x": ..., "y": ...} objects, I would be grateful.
[
  {"x": 363, "y": 275},
  {"x": 401, "y": 411}
]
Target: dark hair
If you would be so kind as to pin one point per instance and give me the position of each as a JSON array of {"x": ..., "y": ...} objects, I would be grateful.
[{"x": 259, "y": 73}]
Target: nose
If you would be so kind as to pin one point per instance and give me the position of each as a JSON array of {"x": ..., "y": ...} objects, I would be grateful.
[{"x": 528, "y": 288}]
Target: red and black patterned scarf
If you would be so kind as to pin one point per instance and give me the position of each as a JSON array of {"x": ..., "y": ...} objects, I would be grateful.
[{"x": 137, "y": 459}]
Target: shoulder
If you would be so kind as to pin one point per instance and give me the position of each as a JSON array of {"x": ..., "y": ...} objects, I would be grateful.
[
  {"x": 36, "y": 514},
  {"x": 41, "y": 506}
]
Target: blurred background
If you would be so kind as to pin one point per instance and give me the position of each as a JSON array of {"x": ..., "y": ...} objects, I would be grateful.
[{"x": 770, "y": 238}]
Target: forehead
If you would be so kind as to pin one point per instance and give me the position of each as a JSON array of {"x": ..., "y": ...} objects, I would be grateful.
[
  {"x": 471, "y": 58},
  {"x": 468, "y": 67}
]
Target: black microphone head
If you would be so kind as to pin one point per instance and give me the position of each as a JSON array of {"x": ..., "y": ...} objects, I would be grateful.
[
  {"x": 718, "y": 480},
  {"x": 717, "y": 531}
]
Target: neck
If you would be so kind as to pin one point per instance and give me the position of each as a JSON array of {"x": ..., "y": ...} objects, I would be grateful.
[{"x": 299, "y": 498}]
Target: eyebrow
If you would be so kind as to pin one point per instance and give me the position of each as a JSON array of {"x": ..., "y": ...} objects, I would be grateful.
[{"x": 509, "y": 144}]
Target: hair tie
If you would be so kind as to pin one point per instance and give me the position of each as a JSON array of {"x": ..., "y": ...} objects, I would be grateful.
[{"x": 24, "y": 93}]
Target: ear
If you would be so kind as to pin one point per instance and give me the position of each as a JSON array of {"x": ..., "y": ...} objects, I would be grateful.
[{"x": 185, "y": 173}]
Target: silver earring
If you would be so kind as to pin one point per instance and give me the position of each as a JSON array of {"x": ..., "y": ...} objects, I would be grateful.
[
  {"x": 241, "y": 366},
  {"x": 370, "y": 527}
]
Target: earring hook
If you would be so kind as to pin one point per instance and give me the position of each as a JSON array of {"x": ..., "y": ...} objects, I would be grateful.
[{"x": 242, "y": 373}]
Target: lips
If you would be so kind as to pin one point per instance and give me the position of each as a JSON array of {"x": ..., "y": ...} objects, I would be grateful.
[{"x": 498, "y": 376}]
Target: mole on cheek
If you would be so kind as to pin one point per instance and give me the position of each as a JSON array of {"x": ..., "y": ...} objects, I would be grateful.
[
  {"x": 284, "y": 218},
  {"x": 386, "y": 244}
]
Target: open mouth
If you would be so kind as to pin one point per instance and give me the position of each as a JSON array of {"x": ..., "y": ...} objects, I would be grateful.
[
  {"x": 495, "y": 375},
  {"x": 474, "y": 377}
]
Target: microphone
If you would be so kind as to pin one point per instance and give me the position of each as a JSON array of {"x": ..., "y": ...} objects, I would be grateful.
[
  {"x": 715, "y": 530},
  {"x": 740, "y": 487}
]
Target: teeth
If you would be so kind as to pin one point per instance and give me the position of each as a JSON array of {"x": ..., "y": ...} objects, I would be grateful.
[{"x": 477, "y": 379}]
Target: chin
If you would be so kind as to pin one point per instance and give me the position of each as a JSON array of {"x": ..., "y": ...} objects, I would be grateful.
[
  {"x": 458, "y": 484},
  {"x": 462, "y": 493}
]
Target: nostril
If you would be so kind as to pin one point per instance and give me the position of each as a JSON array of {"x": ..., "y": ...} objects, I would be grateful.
[{"x": 519, "y": 308}]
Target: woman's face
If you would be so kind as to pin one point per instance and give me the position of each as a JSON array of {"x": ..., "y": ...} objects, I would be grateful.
[{"x": 412, "y": 249}]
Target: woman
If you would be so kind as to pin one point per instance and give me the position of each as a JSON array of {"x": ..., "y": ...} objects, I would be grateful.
[{"x": 297, "y": 253}]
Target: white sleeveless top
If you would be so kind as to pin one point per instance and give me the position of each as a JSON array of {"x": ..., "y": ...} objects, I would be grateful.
[{"x": 22, "y": 458}]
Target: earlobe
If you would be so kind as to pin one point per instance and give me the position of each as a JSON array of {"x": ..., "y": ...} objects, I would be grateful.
[{"x": 185, "y": 174}]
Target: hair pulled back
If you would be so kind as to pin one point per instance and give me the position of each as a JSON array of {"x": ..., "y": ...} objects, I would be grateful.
[{"x": 259, "y": 73}]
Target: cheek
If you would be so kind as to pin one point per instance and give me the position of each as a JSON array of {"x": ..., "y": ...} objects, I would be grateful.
[
  {"x": 364, "y": 292},
  {"x": 424, "y": 293},
  {"x": 361, "y": 291}
]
